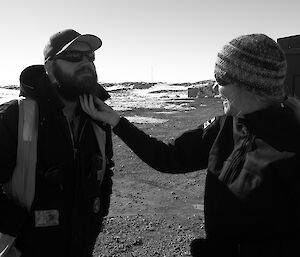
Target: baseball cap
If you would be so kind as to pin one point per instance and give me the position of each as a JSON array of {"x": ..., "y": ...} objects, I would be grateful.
[{"x": 62, "y": 40}]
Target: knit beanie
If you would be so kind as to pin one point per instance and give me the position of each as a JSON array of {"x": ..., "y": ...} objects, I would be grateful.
[{"x": 255, "y": 62}]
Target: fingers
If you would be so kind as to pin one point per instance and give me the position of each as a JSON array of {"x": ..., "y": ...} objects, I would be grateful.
[
  {"x": 91, "y": 104},
  {"x": 101, "y": 106},
  {"x": 87, "y": 106},
  {"x": 98, "y": 110},
  {"x": 87, "y": 103},
  {"x": 98, "y": 101},
  {"x": 84, "y": 103}
]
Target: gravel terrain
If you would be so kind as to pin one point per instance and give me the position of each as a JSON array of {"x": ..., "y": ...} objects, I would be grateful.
[{"x": 155, "y": 214}]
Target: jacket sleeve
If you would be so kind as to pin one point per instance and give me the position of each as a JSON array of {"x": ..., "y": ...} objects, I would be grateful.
[
  {"x": 189, "y": 152},
  {"x": 12, "y": 216}
]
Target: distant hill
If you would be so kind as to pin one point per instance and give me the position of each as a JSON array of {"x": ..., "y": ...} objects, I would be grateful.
[
  {"x": 145, "y": 85},
  {"x": 201, "y": 88},
  {"x": 11, "y": 87}
]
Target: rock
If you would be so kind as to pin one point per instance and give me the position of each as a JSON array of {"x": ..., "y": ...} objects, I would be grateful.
[
  {"x": 193, "y": 91},
  {"x": 202, "y": 89},
  {"x": 141, "y": 85}
]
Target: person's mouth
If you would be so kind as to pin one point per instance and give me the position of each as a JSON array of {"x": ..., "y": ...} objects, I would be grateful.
[{"x": 85, "y": 71}]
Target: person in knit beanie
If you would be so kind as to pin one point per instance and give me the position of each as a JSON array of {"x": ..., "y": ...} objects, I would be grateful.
[
  {"x": 254, "y": 62},
  {"x": 250, "y": 153}
]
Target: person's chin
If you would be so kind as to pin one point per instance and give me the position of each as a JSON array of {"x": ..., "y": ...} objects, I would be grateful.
[
  {"x": 228, "y": 111},
  {"x": 86, "y": 79},
  {"x": 70, "y": 97},
  {"x": 226, "y": 107},
  {"x": 86, "y": 74}
]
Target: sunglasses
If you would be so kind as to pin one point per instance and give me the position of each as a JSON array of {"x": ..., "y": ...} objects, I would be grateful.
[{"x": 75, "y": 56}]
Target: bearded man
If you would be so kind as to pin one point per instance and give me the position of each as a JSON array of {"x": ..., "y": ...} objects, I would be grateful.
[{"x": 73, "y": 170}]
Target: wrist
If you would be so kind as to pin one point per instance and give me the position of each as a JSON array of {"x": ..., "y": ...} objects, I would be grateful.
[{"x": 115, "y": 121}]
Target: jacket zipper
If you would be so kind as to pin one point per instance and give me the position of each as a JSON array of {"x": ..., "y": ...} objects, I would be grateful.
[
  {"x": 81, "y": 131},
  {"x": 72, "y": 138},
  {"x": 232, "y": 169}
]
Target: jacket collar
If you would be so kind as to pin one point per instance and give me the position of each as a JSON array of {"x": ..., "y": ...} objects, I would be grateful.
[{"x": 277, "y": 125}]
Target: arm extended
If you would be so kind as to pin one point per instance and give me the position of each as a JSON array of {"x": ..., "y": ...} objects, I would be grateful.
[{"x": 189, "y": 152}]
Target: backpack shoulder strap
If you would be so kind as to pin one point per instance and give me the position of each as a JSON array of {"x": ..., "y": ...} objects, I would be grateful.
[{"x": 21, "y": 188}]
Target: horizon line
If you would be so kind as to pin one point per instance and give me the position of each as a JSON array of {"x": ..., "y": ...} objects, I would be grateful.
[{"x": 126, "y": 82}]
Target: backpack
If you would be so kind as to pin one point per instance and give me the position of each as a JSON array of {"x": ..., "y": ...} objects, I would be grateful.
[{"x": 21, "y": 187}]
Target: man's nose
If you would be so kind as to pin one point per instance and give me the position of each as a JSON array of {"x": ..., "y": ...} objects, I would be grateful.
[
  {"x": 86, "y": 59},
  {"x": 85, "y": 62}
]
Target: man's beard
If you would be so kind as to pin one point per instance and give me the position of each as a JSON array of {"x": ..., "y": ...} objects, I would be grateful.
[{"x": 70, "y": 87}]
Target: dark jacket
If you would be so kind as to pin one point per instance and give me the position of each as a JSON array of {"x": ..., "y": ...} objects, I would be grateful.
[
  {"x": 66, "y": 178},
  {"x": 252, "y": 192}
]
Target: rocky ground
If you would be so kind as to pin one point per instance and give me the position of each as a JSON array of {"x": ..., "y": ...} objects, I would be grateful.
[{"x": 155, "y": 214}]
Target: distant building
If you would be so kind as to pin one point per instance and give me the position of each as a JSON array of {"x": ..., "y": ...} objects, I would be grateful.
[
  {"x": 202, "y": 89},
  {"x": 291, "y": 48}
]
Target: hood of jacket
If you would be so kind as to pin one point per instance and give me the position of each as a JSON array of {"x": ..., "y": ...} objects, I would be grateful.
[{"x": 34, "y": 83}]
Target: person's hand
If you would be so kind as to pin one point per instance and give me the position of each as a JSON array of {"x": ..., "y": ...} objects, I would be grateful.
[{"x": 98, "y": 110}]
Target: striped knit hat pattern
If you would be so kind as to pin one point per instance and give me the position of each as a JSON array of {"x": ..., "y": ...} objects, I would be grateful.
[{"x": 255, "y": 62}]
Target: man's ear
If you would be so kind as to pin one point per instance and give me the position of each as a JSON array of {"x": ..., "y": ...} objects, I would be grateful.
[{"x": 49, "y": 71}]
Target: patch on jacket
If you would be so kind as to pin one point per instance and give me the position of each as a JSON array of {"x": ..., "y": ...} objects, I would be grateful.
[
  {"x": 46, "y": 218},
  {"x": 208, "y": 122}
]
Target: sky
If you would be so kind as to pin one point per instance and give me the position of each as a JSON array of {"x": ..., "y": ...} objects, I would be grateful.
[{"x": 172, "y": 41}]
